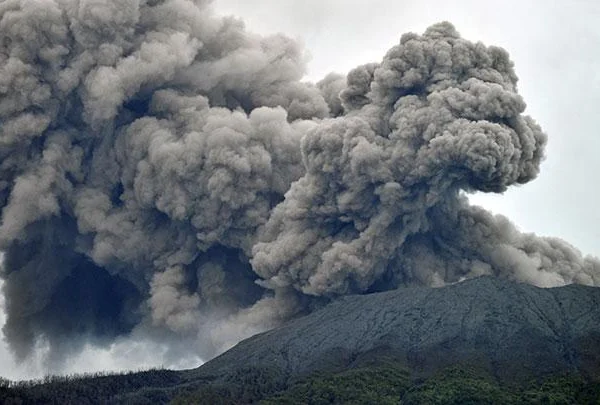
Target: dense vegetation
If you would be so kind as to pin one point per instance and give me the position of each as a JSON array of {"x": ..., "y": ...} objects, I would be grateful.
[
  {"x": 392, "y": 384},
  {"x": 460, "y": 386},
  {"x": 153, "y": 385},
  {"x": 376, "y": 383},
  {"x": 366, "y": 385}
]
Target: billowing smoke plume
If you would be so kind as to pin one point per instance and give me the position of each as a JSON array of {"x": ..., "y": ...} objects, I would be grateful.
[{"x": 165, "y": 173}]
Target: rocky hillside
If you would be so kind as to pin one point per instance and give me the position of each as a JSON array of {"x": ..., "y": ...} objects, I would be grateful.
[
  {"x": 389, "y": 346},
  {"x": 511, "y": 329}
]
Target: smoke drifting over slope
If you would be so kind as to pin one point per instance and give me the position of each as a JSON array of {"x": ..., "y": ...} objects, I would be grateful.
[{"x": 166, "y": 173}]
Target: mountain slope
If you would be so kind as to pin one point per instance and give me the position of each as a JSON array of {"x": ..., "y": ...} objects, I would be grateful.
[
  {"x": 511, "y": 329},
  {"x": 503, "y": 333}
]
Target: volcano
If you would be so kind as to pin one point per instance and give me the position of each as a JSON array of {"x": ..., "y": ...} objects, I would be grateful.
[{"x": 504, "y": 334}]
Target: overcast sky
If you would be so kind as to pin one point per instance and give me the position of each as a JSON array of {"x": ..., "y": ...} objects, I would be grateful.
[
  {"x": 555, "y": 49},
  {"x": 555, "y": 46}
]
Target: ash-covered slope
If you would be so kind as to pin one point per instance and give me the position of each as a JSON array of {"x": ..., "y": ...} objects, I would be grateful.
[
  {"x": 510, "y": 329},
  {"x": 508, "y": 332}
]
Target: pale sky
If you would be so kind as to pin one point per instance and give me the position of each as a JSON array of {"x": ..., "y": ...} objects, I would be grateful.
[{"x": 555, "y": 47}]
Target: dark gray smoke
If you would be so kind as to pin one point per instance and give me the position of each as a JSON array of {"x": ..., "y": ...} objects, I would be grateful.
[{"x": 165, "y": 173}]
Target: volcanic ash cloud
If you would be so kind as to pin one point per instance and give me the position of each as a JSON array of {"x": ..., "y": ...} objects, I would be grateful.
[{"x": 167, "y": 174}]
